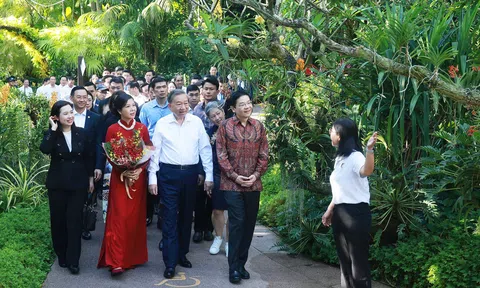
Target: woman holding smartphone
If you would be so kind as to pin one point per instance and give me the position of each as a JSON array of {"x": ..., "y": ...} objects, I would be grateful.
[{"x": 69, "y": 178}]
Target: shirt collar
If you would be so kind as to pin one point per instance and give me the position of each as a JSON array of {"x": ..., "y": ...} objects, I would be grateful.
[
  {"x": 236, "y": 121},
  {"x": 174, "y": 120},
  {"x": 156, "y": 104},
  {"x": 82, "y": 114}
]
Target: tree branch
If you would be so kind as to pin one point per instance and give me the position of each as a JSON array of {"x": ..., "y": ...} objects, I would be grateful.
[
  {"x": 308, "y": 45},
  {"x": 420, "y": 73},
  {"x": 314, "y": 5}
]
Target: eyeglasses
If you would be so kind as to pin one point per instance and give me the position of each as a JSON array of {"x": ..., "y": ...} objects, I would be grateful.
[{"x": 245, "y": 104}]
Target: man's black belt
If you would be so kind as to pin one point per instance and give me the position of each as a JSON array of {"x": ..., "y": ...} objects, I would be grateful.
[{"x": 179, "y": 167}]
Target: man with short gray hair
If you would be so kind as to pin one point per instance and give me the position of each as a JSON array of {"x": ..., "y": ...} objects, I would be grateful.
[{"x": 181, "y": 141}]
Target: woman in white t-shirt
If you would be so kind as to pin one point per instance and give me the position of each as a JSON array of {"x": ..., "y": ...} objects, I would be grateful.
[{"x": 349, "y": 212}]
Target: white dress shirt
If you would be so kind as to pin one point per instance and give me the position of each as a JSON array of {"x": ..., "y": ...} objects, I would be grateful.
[
  {"x": 140, "y": 99},
  {"x": 49, "y": 90},
  {"x": 80, "y": 118},
  {"x": 26, "y": 90},
  {"x": 180, "y": 145},
  {"x": 41, "y": 90},
  {"x": 68, "y": 139},
  {"x": 64, "y": 92}
]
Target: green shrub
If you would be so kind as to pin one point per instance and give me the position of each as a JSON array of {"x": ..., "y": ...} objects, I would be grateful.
[
  {"x": 272, "y": 198},
  {"x": 296, "y": 215},
  {"x": 22, "y": 123},
  {"x": 444, "y": 257},
  {"x": 21, "y": 188},
  {"x": 26, "y": 252}
]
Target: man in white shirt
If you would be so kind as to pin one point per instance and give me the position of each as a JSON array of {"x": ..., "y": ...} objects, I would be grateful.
[
  {"x": 51, "y": 90},
  {"x": 180, "y": 139},
  {"x": 41, "y": 89},
  {"x": 134, "y": 91},
  {"x": 63, "y": 89},
  {"x": 26, "y": 89},
  {"x": 71, "y": 84}
]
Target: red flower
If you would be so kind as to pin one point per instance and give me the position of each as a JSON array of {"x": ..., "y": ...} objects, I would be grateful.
[
  {"x": 125, "y": 152},
  {"x": 452, "y": 71},
  {"x": 471, "y": 130}
]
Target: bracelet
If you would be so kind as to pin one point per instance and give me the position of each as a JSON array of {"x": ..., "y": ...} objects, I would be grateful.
[{"x": 369, "y": 151}]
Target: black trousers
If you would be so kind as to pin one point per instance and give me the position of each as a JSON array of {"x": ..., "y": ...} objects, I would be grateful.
[
  {"x": 178, "y": 189},
  {"x": 154, "y": 201},
  {"x": 351, "y": 226},
  {"x": 66, "y": 207},
  {"x": 242, "y": 216},
  {"x": 203, "y": 211}
]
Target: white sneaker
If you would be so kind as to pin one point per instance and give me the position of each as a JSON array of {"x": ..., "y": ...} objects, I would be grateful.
[
  {"x": 226, "y": 249},
  {"x": 215, "y": 248}
]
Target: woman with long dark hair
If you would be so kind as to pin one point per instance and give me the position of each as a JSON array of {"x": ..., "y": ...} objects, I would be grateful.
[
  {"x": 349, "y": 212},
  {"x": 69, "y": 178},
  {"x": 125, "y": 240}
]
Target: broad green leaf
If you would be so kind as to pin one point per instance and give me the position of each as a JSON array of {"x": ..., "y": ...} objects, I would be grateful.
[{"x": 413, "y": 102}]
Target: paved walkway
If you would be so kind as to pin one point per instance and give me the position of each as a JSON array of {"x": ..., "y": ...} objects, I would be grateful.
[{"x": 267, "y": 266}]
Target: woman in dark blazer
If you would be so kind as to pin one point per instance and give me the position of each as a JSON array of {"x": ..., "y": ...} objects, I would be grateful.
[{"x": 69, "y": 178}]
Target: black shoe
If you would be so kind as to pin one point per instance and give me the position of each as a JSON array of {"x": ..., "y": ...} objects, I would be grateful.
[
  {"x": 74, "y": 269},
  {"x": 197, "y": 237},
  {"x": 208, "y": 236},
  {"x": 86, "y": 235},
  {"x": 160, "y": 245},
  {"x": 169, "y": 273},
  {"x": 185, "y": 263},
  {"x": 149, "y": 221},
  {"x": 62, "y": 263},
  {"x": 235, "y": 277},
  {"x": 244, "y": 273}
]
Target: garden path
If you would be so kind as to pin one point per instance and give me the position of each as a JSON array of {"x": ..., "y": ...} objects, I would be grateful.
[{"x": 268, "y": 266}]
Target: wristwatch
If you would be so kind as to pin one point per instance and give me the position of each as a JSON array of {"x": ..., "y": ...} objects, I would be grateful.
[{"x": 369, "y": 151}]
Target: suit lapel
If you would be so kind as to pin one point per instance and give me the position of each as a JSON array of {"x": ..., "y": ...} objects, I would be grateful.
[{"x": 76, "y": 140}]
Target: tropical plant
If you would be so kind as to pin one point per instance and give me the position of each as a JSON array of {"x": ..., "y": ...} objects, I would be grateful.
[
  {"x": 451, "y": 172},
  {"x": 20, "y": 187}
]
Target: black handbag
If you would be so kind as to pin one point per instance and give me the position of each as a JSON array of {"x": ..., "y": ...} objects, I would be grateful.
[{"x": 89, "y": 218}]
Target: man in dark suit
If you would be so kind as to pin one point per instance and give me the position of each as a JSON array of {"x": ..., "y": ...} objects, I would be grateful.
[{"x": 87, "y": 120}]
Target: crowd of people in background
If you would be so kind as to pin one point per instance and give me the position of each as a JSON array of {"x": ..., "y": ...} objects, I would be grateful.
[{"x": 209, "y": 155}]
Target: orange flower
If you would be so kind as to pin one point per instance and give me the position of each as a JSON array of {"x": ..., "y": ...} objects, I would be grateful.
[
  {"x": 300, "y": 66},
  {"x": 53, "y": 99},
  {"x": 474, "y": 113},
  {"x": 471, "y": 130},
  {"x": 4, "y": 94},
  {"x": 452, "y": 71}
]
